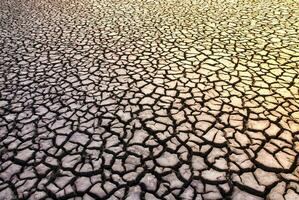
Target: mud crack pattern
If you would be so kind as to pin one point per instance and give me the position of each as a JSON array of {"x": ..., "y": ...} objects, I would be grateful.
[{"x": 143, "y": 99}]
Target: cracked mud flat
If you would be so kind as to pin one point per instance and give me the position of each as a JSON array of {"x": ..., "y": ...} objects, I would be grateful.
[{"x": 140, "y": 99}]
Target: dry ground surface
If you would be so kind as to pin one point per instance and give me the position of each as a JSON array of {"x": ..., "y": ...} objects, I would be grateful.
[{"x": 149, "y": 99}]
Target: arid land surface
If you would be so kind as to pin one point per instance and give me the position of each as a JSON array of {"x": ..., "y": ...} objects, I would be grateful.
[{"x": 149, "y": 99}]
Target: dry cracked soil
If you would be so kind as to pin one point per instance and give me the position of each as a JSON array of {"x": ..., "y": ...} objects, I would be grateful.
[{"x": 149, "y": 99}]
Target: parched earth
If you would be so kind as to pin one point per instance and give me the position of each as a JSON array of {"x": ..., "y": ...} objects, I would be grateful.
[{"x": 149, "y": 99}]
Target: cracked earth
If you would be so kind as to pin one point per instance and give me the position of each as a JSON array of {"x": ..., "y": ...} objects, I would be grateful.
[{"x": 144, "y": 99}]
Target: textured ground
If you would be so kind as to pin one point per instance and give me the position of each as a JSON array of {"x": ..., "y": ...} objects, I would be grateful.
[{"x": 149, "y": 99}]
